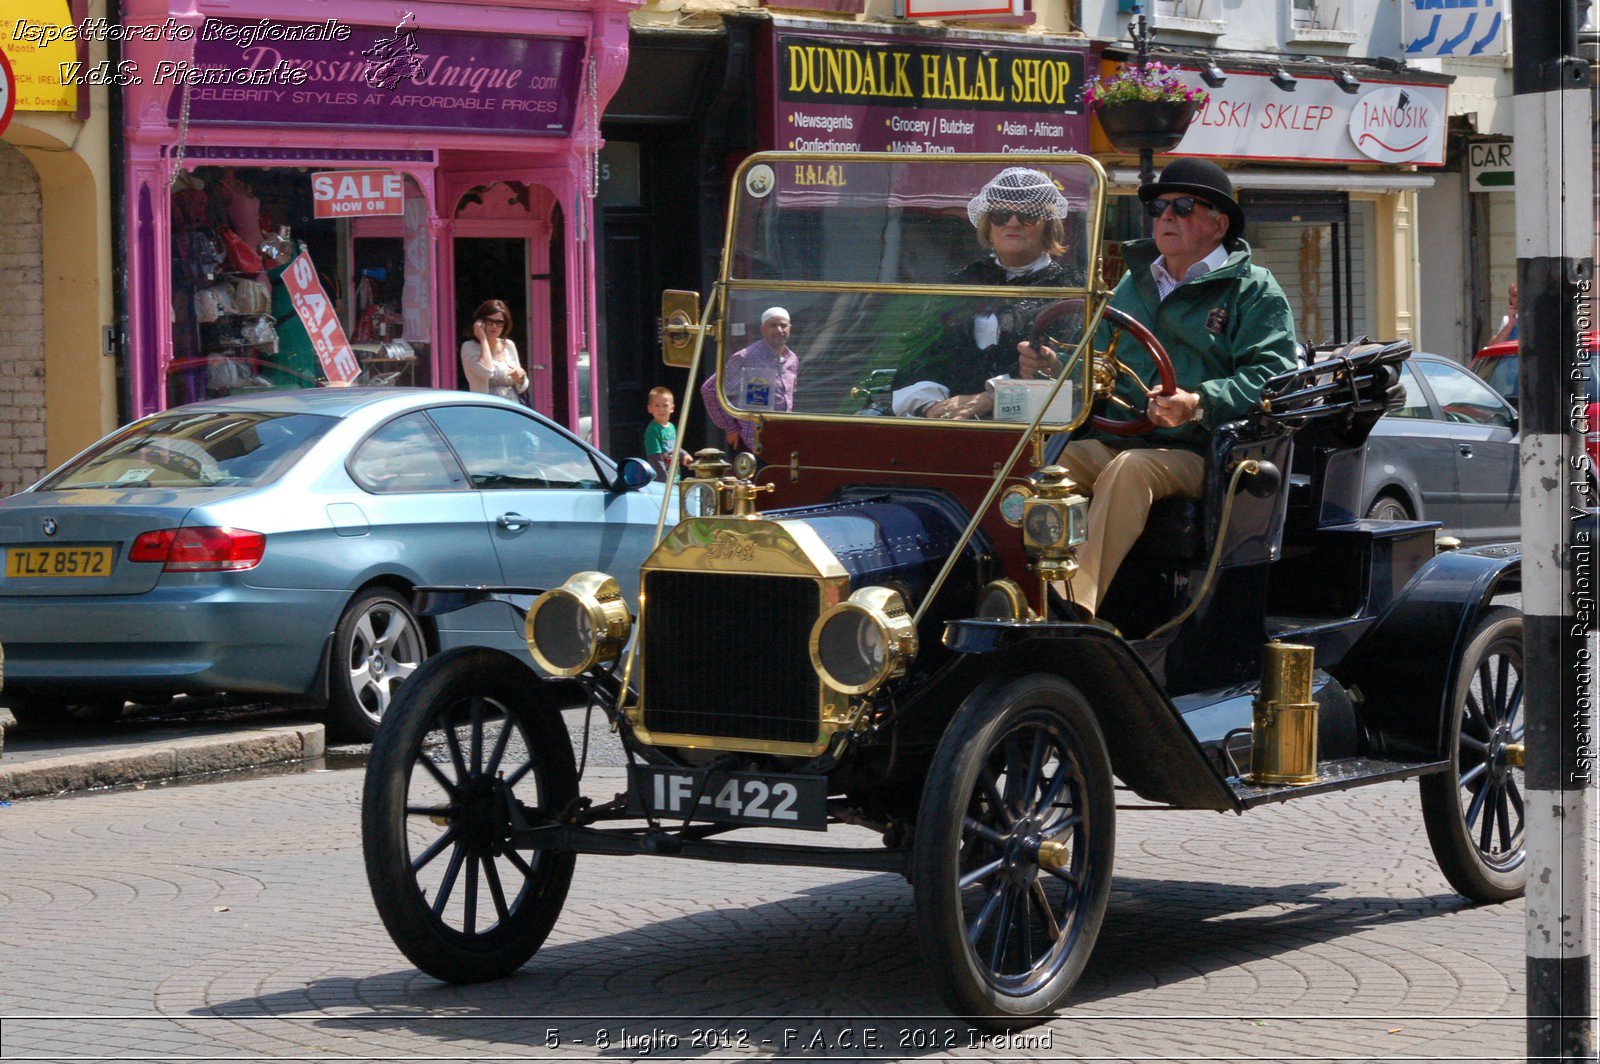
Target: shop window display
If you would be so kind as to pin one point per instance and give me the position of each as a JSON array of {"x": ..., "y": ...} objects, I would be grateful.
[{"x": 234, "y": 328}]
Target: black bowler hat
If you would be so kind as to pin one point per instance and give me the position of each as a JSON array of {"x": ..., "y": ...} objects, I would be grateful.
[{"x": 1202, "y": 178}]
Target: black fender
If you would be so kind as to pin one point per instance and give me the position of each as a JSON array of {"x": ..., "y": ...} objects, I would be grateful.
[
  {"x": 1152, "y": 750},
  {"x": 1401, "y": 669}
]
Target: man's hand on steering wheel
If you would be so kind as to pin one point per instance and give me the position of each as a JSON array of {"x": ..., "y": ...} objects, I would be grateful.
[{"x": 1170, "y": 411}]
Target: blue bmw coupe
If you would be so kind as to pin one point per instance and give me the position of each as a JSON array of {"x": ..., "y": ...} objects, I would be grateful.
[{"x": 268, "y": 545}]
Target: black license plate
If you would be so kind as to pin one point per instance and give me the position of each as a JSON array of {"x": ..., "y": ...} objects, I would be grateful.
[{"x": 767, "y": 799}]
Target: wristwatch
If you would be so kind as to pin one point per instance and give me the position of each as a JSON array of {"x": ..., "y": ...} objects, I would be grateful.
[{"x": 1199, "y": 410}]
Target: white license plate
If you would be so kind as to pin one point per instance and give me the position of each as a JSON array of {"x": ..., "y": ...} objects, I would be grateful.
[{"x": 767, "y": 799}]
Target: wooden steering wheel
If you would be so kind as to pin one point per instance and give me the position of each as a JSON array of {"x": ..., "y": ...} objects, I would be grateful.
[{"x": 1106, "y": 367}]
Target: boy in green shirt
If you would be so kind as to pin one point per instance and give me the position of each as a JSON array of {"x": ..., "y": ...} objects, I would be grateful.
[{"x": 661, "y": 435}]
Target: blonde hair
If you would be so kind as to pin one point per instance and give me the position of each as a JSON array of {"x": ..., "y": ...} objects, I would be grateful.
[{"x": 657, "y": 392}]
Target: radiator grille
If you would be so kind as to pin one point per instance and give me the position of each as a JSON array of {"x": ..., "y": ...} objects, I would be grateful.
[{"x": 725, "y": 656}]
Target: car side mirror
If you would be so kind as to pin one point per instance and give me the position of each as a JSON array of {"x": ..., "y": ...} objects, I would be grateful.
[{"x": 634, "y": 474}]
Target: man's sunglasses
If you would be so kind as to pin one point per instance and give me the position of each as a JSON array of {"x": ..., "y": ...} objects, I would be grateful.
[
  {"x": 1003, "y": 216},
  {"x": 1182, "y": 206}
]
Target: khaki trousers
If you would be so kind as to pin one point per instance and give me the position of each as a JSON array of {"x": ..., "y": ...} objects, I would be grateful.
[{"x": 1121, "y": 486}]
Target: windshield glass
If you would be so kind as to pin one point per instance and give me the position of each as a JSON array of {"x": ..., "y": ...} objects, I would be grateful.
[
  {"x": 198, "y": 449},
  {"x": 895, "y": 286}
]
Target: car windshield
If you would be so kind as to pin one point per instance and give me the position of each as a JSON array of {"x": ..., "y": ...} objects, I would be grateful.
[
  {"x": 906, "y": 280},
  {"x": 194, "y": 449}
]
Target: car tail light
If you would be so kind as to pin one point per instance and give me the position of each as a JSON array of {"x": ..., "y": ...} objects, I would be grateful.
[{"x": 204, "y": 549}]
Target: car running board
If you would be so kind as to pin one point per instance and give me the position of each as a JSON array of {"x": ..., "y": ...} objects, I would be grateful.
[{"x": 1338, "y": 775}]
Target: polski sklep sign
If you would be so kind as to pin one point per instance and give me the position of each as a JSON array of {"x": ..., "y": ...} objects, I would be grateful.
[
  {"x": 453, "y": 81},
  {"x": 1251, "y": 118}
]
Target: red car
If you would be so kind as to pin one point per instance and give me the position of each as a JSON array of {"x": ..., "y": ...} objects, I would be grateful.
[{"x": 1497, "y": 365}]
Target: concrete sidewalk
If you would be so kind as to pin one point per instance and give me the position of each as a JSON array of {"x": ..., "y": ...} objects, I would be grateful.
[{"x": 36, "y": 765}]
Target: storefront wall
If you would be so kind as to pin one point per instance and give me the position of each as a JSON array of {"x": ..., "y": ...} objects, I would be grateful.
[
  {"x": 1331, "y": 200},
  {"x": 22, "y": 341},
  {"x": 57, "y": 373},
  {"x": 481, "y": 152}
]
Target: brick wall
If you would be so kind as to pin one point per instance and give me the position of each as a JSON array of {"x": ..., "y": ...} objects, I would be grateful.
[{"x": 21, "y": 323}]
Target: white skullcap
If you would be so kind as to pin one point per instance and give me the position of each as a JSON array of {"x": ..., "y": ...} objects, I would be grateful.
[
  {"x": 1031, "y": 191},
  {"x": 774, "y": 312}
]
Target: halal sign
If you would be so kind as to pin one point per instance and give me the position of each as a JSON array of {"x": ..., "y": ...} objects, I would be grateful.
[
  {"x": 1392, "y": 125},
  {"x": 8, "y": 91}
]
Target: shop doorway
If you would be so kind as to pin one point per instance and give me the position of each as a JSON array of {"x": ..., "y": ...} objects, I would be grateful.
[
  {"x": 1315, "y": 244},
  {"x": 494, "y": 267}
]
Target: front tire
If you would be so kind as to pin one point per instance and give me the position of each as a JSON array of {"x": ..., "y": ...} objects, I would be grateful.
[
  {"x": 1014, "y": 845},
  {"x": 1474, "y": 810},
  {"x": 469, "y": 739},
  {"x": 376, "y": 647}
]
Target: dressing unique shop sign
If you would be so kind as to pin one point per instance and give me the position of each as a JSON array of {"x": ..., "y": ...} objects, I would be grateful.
[
  {"x": 1251, "y": 118},
  {"x": 872, "y": 93},
  {"x": 448, "y": 81}
]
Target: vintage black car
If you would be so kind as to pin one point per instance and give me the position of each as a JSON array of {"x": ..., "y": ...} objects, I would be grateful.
[{"x": 868, "y": 625}]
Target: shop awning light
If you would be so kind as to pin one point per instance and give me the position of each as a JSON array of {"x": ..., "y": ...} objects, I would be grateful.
[
  {"x": 1284, "y": 80},
  {"x": 1212, "y": 75},
  {"x": 1346, "y": 80}
]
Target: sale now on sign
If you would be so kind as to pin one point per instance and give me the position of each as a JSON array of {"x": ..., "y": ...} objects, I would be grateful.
[
  {"x": 311, "y": 302},
  {"x": 357, "y": 193}
]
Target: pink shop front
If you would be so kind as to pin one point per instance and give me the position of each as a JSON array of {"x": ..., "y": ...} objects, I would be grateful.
[{"x": 423, "y": 158}]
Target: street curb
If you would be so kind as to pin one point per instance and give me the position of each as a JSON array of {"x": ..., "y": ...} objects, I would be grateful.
[{"x": 181, "y": 757}]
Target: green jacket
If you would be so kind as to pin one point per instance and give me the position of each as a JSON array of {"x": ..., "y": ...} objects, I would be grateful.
[{"x": 1226, "y": 331}]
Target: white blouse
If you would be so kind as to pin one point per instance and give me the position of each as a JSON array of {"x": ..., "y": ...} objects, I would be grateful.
[{"x": 485, "y": 373}]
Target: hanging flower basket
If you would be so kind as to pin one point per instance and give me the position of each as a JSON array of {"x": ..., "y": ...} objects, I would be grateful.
[
  {"x": 1138, "y": 125},
  {"x": 1143, "y": 108}
]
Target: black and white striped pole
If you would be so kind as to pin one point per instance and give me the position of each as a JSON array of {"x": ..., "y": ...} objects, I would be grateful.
[{"x": 1553, "y": 115}]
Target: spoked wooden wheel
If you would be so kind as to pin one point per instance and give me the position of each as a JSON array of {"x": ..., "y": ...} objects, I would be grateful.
[
  {"x": 469, "y": 740},
  {"x": 1474, "y": 811},
  {"x": 1014, "y": 849},
  {"x": 1108, "y": 369}
]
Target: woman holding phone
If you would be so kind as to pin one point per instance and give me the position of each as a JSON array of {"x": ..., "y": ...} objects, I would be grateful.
[{"x": 489, "y": 359}]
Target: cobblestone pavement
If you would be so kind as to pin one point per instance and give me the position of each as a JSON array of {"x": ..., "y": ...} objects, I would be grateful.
[{"x": 233, "y": 920}]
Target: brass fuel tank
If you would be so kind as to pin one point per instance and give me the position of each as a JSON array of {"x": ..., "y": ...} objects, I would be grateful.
[{"x": 1283, "y": 728}]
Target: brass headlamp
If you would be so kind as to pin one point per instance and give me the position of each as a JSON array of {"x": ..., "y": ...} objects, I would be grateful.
[
  {"x": 574, "y": 627},
  {"x": 1055, "y": 521},
  {"x": 864, "y": 642}
]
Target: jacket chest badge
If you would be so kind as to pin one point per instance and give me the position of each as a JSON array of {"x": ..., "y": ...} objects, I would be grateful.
[{"x": 1217, "y": 320}]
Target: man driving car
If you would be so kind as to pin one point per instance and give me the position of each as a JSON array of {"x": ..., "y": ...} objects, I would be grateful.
[{"x": 1227, "y": 327}]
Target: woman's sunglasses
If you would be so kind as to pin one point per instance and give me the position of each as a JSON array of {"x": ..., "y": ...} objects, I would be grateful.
[
  {"x": 494, "y": 321},
  {"x": 1182, "y": 206},
  {"x": 1003, "y": 216}
]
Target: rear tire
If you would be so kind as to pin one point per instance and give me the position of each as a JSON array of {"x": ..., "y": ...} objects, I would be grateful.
[
  {"x": 1014, "y": 845},
  {"x": 376, "y": 647},
  {"x": 1389, "y": 508},
  {"x": 471, "y": 735},
  {"x": 1474, "y": 811}
]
